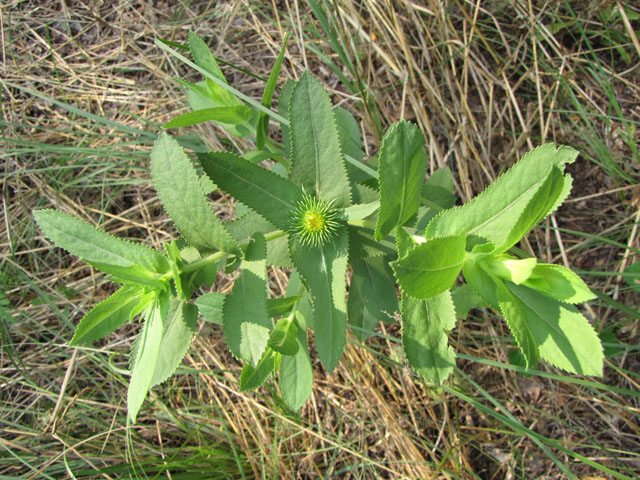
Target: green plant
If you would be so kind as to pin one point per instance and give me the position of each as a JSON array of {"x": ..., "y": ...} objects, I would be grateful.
[{"x": 319, "y": 209}]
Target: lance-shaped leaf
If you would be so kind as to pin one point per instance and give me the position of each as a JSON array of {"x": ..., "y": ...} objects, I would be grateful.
[
  {"x": 204, "y": 58},
  {"x": 431, "y": 267},
  {"x": 372, "y": 296},
  {"x": 176, "y": 339},
  {"x": 233, "y": 115},
  {"x": 269, "y": 194},
  {"x": 296, "y": 374},
  {"x": 515, "y": 314},
  {"x": 323, "y": 270},
  {"x": 95, "y": 246},
  {"x": 351, "y": 143},
  {"x": 563, "y": 335},
  {"x": 107, "y": 315},
  {"x": 425, "y": 324},
  {"x": 481, "y": 282},
  {"x": 560, "y": 283},
  {"x": 247, "y": 305},
  {"x": 179, "y": 189},
  {"x": 317, "y": 164},
  {"x": 539, "y": 206},
  {"x": 145, "y": 358},
  {"x": 402, "y": 166},
  {"x": 492, "y": 214},
  {"x": 283, "y": 336},
  {"x": 262, "y": 129}
]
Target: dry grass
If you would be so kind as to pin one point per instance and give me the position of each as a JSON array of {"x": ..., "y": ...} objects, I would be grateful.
[{"x": 485, "y": 82}]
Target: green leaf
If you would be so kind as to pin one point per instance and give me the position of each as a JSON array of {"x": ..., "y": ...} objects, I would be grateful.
[
  {"x": 323, "y": 270},
  {"x": 481, "y": 282},
  {"x": 95, "y": 246},
  {"x": 372, "y": 296},
  {"x": 203, "y": 57},
  {"x": 560, "y": 283},
  {"x": 263, "y": 120},
  {"x": 178, "y": 187},
  {"x": 296, "y": 374},
  {"x": 253, "y": 342},
  {"x": 564, "y": 337},
  {"x": 252, "y": 377},
  {"x": 211, "y": 306},
  {"x": 364, "y": 245},
  {"x": 317, "y": 164},
  {"x": 436, "y": 195},
  {"x": 233, "y": 115},
  {"x": 270, "y": 195},
  {"x": 431, "y": 267},
  {"x": 107, "y": 315},
  {"x": 281, "y": 306},
  {"x": 283, "y": 109},
  {"x": 404, "y": 242},
  {"x": 283, "y": 336},
  {"x": 361, "y": 211},
  {"x": 403, "y": 162},
  {"x": 425, "y": 324},
  {"x": 145, "y": 358},
  {"x": 245, "y": 304},
  {"x": 465, "y": 299},
  {"x": 179, "y": 327},
  {"x": 492, "y": 214},
  {"x": 507, "y": 267},
  {"x": 538, "y": 207},
  {"x": 351, "y": 142},
  {"x": 515, "y": 314}
]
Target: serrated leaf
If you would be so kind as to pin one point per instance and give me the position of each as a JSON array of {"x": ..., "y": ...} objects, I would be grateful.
[
  {"x": 296, "y": 374},
  {"x": 563, "y": 335},
  {"x": 146, "y": 356},
  {"x": 560, "y": 283},
  {"x": 176, "y": 339},
  {"x": 482, "y": 283},
  {"x": 436, "y": 195},
  {"x": 361, "y": 211},
  {"x": 252, "y": 377},
  {"x": 132, "y": 275},
  {"x": 253, "y": 342},
  {"x": 402, "y": 166},
  {"x": 281, "y": 306},
  {"x": 203, "y": 57},
  {"x": 95, "y": 246},
  {"x": 267, "y": 96},
  {"x": 270, "y": 195},
  {"x": 431, "y": 267},
  {"x": 351, "y": 143},
  {"x": 425, "y": 324},
  {"x": 178, "y": 187},
  {"x": 233, "y": 115},
  {"x": 538, "y": 207},
  {"x": 211, "y": 306},
  {"x": 515, "y": 314},
  {"x": 492, "y": 214},
  {"x": 323, "y": 270},
  {"x": 372, "y": 296},
  {"x": 404, "y": 242},
  {"x": 107, "y": 315},
  {"x": 245, "y": 304},
  {"x": 283, "y": 337},
  {"x": 284, "y": 100},
  {"x": 465, "y": 299},
  {"x": 317, "y": 165}
]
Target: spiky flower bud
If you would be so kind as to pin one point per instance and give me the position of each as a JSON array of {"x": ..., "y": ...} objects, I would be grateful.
[{"x": 314, "y": 221}]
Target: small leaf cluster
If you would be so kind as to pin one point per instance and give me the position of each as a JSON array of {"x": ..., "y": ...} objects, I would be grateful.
[{"x": 318, "y": 209}]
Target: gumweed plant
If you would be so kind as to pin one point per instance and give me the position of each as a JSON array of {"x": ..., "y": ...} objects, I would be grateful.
[{"x": 318, "y": 209}]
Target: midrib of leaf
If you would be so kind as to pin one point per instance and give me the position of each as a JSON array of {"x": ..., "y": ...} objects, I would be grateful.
[
  {"x": 507, "y": 207},
  {"x": 427, "y": 311},
  {"x": 328, "y": 287}
]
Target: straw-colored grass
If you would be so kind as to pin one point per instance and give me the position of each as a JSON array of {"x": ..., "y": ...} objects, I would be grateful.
[{"x": 84, "y": 92}]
